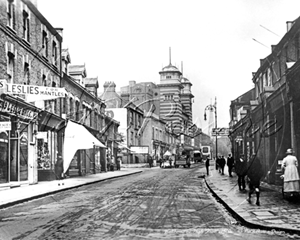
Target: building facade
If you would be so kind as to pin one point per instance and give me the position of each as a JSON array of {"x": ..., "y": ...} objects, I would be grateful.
[{"x": 267, "y": 124}]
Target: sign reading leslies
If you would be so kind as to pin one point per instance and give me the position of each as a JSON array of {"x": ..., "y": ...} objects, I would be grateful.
[{"x": 12, "y": 88}]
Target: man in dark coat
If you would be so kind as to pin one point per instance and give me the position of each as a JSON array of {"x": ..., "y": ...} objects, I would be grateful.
[
  {"x": 241, "y": 171},
  {"x": 222, "y": 164},
  {"x": 59, "y": 167},
  {"x": 218, "y": 167},
  {"x": 230, "y": 163},
  {"x": 254, "y": 173},
  {"x": 207, "y": 165}
]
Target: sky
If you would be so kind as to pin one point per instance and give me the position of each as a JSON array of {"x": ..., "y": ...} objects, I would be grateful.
[{"x": 220, "y": 43}]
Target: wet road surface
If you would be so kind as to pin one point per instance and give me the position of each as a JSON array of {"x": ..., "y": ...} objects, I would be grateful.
[{"x": 156, "y": 204}]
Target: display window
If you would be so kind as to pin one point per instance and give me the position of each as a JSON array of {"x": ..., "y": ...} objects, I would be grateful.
[{"x": 3, "y": 157}]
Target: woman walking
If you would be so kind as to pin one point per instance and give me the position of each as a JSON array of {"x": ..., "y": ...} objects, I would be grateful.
[{"x": 291, "y": 175}]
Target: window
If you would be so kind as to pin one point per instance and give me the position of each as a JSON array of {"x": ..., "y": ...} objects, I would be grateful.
[
  {"x": 71, "y": 109},
  {"x": 11, "y": 55},
  {"x": 131, "y": 138},
  {"x": 26, "y": 24},
  {"x": 168, "y": 76},
  {"x": 26, "y": 70},
  {"x": 44, "y": 80},
  {"x": 45, "y": 43},
  {"x": 54, "y": 53},
  {"x": 168, "y": 97},
  {"x": 131, "y": 118},
  {"x": 11, "y": 14},
  {"x": 77, "y": 111}
]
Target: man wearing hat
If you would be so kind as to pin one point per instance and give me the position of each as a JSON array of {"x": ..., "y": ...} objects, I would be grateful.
[{"x": 291, "y": 175}]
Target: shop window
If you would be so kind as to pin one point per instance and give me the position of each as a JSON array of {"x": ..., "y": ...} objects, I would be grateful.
[
  {"x": 43, "y": 156},
  {"x": 24, "y": 153},
  {"x": 11, "y": 14},
  {"x": 3, "y": 157}
]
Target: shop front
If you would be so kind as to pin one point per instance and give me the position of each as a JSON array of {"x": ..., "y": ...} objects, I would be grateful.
[
  {"x": 18, "y": 145},
  {"x": 82, "y": 151},
  {"x": 49, "y": 143}
]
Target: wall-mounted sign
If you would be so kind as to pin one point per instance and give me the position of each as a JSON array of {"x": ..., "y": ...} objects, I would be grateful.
[
  {"x": 5, "y": 126},
  {"x": 18, "y": 110}
]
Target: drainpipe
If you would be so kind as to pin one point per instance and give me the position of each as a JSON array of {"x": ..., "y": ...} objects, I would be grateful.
[{"x": 293, "y": 140}]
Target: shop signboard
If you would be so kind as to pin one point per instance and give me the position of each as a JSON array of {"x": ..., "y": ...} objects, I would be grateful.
[
  {"x": 5, "y": 126},
  {"x": 32, "y": 90},
  {"x": 140, "y": 149}
]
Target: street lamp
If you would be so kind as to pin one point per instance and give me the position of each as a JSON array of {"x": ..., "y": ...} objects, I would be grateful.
[{"x": 213, "y": 108}]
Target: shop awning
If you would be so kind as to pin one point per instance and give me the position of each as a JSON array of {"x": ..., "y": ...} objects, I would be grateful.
[
  {"x": 77, "y": 137},
  {"x": 123, "y": 146},
  {"x": 50, "y": 121}
]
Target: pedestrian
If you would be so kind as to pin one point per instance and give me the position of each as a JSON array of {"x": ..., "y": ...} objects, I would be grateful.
[
  {"x": 150, "y": 161},
  {"x": 119, "y": 162},
  {"x": 291, "y": 175},
  {"x": 207, "y": 165},
  {"x": 254, "y": 174},
  {"x": 230, "y": 163},
  {"x": 218, "y": 167},
  {"x": 160, "y": 162},
  {"x": 241, "y": 171},
  {"x": 59, "y": 167},
  {"x": 112, "y": 163},
  {"x": 222, "y": 164}
]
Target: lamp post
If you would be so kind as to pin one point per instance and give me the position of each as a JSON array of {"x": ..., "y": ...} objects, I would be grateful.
[{"x": 213, "y": 108}]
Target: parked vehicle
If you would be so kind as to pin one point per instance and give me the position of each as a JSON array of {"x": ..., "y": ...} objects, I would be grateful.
[
  {"x": 197, "y": 156},
  {"x": 183, "y": 160}
]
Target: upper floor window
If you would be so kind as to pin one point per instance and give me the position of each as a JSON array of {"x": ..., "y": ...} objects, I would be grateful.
[
  {"x": 131, "y": 118},
  {"x": 11, "y": 57},
  {"x": 26, "y": 69},
  {"x": 26, "y": 24},
  {"x": 169, "y": 76},
  {"x": 11, "y": 14},
  {"x": 54, "y": 53},
  {"x": 45, "y": 43},
  {"x": 168, "y": 97}
]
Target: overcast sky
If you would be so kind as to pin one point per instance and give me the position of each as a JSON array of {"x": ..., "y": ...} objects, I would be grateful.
[{"x": 123, "y": 40}]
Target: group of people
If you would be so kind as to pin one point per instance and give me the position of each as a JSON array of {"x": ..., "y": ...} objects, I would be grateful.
[{"x": 252, "y": 171}]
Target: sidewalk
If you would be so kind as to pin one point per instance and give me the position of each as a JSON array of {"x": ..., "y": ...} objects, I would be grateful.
[
  {"x": 274, "y": 212},
  {"x": 27, "y": 192}
]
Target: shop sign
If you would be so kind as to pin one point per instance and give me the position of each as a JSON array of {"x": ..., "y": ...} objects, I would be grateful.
[
  {"x": 5, "y": 126},
  {"x": 12, "y": 88},
  {"x": 220, "y": 132},
  {"x": 11, "y": 108},
  {"x": 140, "y": 150}
]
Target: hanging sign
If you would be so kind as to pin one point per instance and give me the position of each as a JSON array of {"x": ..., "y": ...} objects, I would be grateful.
[{"x": 12, "y": 88}]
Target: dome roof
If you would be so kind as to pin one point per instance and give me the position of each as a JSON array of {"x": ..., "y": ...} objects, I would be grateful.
[{"x": 170, "y": 68}]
